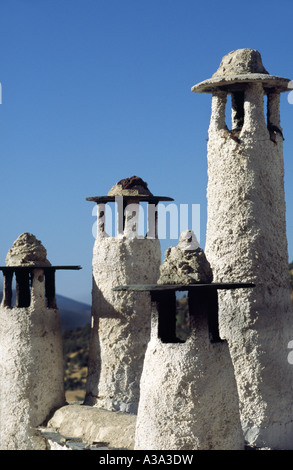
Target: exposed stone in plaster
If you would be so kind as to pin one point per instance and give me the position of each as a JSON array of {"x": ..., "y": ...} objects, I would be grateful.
[
  {"x": 27, "y": 251},
  {"x": 185, "y": 263}
]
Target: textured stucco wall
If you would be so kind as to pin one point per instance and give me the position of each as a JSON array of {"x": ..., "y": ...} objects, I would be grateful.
[
  {"x": 31, "y": 370},
  {"x": 246, "y": 241},
  {"x": 120, "y": 320},
  {"x": 189, "y": 397}
]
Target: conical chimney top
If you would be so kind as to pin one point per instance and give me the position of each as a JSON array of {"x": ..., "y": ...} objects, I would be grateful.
[{"x": 27, "y": 251}]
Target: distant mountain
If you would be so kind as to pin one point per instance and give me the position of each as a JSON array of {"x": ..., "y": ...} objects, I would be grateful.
[{"x": 72, "y": 313}]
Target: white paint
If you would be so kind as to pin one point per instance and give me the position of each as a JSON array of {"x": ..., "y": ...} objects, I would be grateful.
[
  {"x": 189, "y": 397},
  {"x": 246, "y": 241},
  {"x": 120, "y": 320},
  {"x": 31, "y": 370}
]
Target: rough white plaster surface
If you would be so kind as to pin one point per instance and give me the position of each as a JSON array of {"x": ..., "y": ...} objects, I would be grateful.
[
  {"x": 246, "y": 241},
  {"x": 31, "y": 370},
  {"x": 120, "y": 320},
  {"x": 189, "y": 397}
]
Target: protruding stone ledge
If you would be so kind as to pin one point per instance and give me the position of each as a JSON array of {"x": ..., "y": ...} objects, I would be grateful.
[{"x": 94, "y": 428}]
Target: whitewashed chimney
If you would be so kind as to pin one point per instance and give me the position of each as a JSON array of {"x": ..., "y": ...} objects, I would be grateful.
[
  {"x": 188, "y": 392},
  {"x": 31, "y": 357},
  {"x": 246, "y": 241},
  {"x": 121, "y": 321}
]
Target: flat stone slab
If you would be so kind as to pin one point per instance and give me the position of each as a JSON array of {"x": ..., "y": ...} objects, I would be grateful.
[{"x": 93, "y": 425}]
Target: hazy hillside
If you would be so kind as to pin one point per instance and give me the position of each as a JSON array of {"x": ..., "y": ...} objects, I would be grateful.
[
  {"x": 73, "y": 314},
  {"x": 75, "y": 354}
]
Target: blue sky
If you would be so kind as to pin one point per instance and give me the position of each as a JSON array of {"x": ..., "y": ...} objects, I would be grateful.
[{"x": 94, "y": 91}]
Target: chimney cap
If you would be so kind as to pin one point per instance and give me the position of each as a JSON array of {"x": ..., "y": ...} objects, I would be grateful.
[
  {"x": 238, "y": 68},
  {"x": 27, "y": 251},
  {"x": 131, "y": 189},
  {"x": 133, "y": 186}
]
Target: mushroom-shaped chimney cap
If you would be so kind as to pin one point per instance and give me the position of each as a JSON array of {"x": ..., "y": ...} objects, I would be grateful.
[
  {"x": 27, "y": 251},
  {"x": 132, "y": 189},
  {"x": 240, "y": 67},
  {"x": 133, "y": 186}
]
